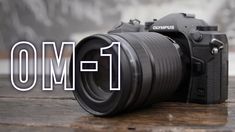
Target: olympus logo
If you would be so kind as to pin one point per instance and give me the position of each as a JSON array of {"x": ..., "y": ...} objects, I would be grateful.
[{"x": 170, "y": 27}]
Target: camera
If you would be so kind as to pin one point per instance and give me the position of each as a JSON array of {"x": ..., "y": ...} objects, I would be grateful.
[{"x": 176, "y": 58}]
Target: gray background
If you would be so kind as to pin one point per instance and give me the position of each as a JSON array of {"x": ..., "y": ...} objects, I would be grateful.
[{"x": 61, "y": 20}]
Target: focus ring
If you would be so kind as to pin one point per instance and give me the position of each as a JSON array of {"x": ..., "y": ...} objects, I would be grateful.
[{"x": 146, "y": 69}]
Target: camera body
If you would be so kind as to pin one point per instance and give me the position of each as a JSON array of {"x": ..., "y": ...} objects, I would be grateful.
[{"x": 204, "y": 54}]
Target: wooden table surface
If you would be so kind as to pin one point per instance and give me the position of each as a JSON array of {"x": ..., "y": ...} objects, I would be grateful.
[{"x": 38, "y": 110}]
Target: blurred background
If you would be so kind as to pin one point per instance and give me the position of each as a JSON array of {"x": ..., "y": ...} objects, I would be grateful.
[{"x": 71, "y": 20}]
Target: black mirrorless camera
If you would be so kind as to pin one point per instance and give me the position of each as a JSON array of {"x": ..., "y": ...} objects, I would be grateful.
[{"x": 176, "y": 58}]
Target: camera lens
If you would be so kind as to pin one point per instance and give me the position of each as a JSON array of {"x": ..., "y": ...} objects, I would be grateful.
[
  {"x": 97, "y": 82},
  {"x": 102, "y": 76},
  {"x": 151, "y": 71}
]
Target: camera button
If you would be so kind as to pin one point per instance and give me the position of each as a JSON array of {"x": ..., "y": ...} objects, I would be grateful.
[
  {"x": 198, "y": 66},
  {"x": 196, "y": 36}
]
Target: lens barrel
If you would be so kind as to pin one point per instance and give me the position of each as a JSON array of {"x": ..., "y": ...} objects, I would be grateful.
[{"x": 151, "y": 71}]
